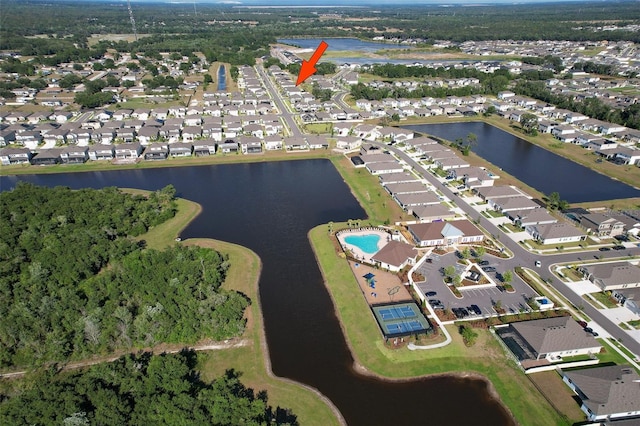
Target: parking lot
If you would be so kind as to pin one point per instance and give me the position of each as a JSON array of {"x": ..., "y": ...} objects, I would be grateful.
[{"x": 484, "y": 298}]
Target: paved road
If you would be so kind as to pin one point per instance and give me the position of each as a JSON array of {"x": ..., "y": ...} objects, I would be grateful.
[
  {"x": 277, "y": 98},
  {"x": 524, "y": 258}
]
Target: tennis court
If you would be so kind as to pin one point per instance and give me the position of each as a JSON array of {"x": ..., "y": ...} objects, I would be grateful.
[
  {"x": 397, "y": 313},
  {"x": 402, "y": 319}
]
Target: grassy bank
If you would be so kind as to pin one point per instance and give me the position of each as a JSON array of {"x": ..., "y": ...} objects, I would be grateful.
[
  {"x": 250, "y": 360},
  {"x": 486, "y": 357},
  {"x": 377, "y": 202},
  {"x": 95, "y": 166}
]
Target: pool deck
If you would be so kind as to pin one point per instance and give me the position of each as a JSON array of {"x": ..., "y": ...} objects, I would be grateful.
[{"x": 357, "y": 252}]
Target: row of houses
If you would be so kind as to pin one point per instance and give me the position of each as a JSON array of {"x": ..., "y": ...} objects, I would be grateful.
[
  {"x": 158, "y": 150},
  {"x": 171, "y": 130}
]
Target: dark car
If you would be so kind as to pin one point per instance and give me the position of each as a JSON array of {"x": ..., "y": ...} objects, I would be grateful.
[
  {"x": 434, "y": 302},
  {"x": 489, "y": 269},
  {"x": 588, "y": 329},
  {"x": 604, "y": 249},
  {"x": 583, "y": 324},
  {"x": 430, "y": 293},
  {"x": 621, "y": 238},
  {"x": 619, "y": 247},
  {"x": 476, "y": 309},
  {"x": 483, "y": 263}
]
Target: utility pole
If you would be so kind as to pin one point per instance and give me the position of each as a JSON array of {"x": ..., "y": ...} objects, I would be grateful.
[{"x": 133, "y": 21}]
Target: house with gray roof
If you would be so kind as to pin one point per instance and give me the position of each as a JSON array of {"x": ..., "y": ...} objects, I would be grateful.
[
  {"x": 403, "y": 176},
  {"x": 537, "y": 216},
  {"x": 601, "y": 225},
  {"x": 395, "y": 255},
  {"x": 409, "y": 201},
  {"x": 204, "y": 147},
  {"x": 384, "y": 167},
  {"x": 612, "y": 276},
  {"x": 445, "y": 233},
  {"x": 508, "y": 204},
  {"x": 74, "y": 154},
  {"x": 555, "y": 233},
  {"x": 405, "y": 187},
  {"x": 553, "y": 338},
  {"x": 15, "y": 156},
  {"x": 495, "y": 192},
  {"x": 606, "y": 393},
  {"x": 433, "y": 212}
]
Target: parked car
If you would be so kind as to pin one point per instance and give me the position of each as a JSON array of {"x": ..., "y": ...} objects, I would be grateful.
[
  {"x": 583, "y": 324},
  {"x": 621, "y": 238},
  {"x": 483, "y": 263},
  {"x": 588, "y": 329},
  {"x": 430, "y": 293},
  {"x": 488, "y": 269},
  {"x": 434, "y": 302},
  {"x": 476, "y": 309},
  {"x": 604, "y": 249},
  {"x": 619, "y": 247},
  {"x": 538, "y": 264}
]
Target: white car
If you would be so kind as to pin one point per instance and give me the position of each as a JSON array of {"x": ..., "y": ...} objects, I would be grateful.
[{"x": 538, "y": 264}]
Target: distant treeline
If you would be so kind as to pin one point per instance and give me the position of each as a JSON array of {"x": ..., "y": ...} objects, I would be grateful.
[
  {"x": 576, "y": 21},
  {"x": 74, "y": 283}
]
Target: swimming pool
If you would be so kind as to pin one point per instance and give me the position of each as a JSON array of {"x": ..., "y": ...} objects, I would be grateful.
[{"x": 367, "y": 243}]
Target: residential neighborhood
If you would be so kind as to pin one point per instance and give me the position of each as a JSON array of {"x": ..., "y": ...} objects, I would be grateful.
[{"x": 462, "y": 245}]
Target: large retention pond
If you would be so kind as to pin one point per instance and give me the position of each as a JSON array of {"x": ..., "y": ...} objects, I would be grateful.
[
  {"x": 270, "y": 207},
  {"x": 535, "y": 166}
]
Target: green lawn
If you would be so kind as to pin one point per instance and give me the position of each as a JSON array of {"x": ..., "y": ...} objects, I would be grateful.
[
  {"x": 376, "y": 202},
  {"x": 319, "y": 128},
  {"x": 486, "y": 357},
  {"x": 605, "y": 299}
]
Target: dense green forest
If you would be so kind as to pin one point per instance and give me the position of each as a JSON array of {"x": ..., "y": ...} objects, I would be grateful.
[
  {"x": 74, "y": 282},
  {"x": 563, "y": 21},
  {"x": 140, "y": 389}
]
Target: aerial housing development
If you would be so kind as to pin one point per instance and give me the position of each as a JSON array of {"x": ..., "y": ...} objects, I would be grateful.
[{"x": 489, "y": 228}]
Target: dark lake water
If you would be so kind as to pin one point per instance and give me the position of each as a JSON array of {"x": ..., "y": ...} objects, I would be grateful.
[
  {"x": 270, "y": 207},
  {"x": 535, "y": 166},
  {"x": 222, "y": 78}
]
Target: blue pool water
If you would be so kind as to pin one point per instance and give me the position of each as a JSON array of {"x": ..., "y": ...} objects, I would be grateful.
[{"x": 367, "y": 243}]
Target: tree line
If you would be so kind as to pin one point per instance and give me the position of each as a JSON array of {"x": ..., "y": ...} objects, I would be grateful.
[
  {"x": 74, "y": 282},
  {"x": 140, "y": 389}
]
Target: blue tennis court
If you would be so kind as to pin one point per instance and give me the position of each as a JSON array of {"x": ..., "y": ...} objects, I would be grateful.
[
  {"x": 401, "y": 319},
  {"x": 397, "y": 313},
  {"x": 404, "y": 327}
]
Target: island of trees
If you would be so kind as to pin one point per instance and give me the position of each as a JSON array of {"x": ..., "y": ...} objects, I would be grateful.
[{"x": 76, "y": 283}]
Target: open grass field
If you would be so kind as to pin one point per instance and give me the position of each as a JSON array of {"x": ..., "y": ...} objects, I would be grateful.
[{"x": 485, "y": 358}]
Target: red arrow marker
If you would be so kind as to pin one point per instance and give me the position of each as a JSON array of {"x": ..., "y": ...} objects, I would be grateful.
[{"x": 308, "y": 68}]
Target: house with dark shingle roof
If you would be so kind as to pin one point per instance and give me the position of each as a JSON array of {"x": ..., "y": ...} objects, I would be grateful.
[
  {"x": 445, "y": 233},
  {"x": 611, "y": 392},
  {"x": 612, "y": 276},
  {"x": 555, "y": 233},
  {"x": 395, "y": 255},
  {"x": 554, "y": 338}
]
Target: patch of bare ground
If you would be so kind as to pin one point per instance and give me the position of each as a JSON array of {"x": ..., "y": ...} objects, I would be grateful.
[{"x": 558, "y": 394}]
